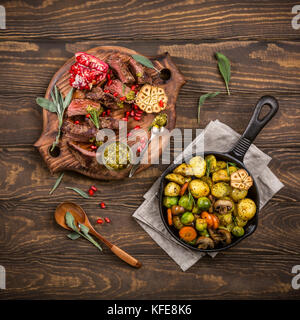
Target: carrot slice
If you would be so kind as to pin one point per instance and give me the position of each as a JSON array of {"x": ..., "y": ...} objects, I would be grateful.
[
  {"x": 215, "y": 221},
  {"x": 187, "y": 234},
  {"x": 170, "y": 220},
  {"x": 208, "y": 217},
  {"x": 183, "y": 189}
]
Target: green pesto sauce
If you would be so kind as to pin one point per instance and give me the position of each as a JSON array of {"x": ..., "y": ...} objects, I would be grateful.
[{"x": 117, "y": 156}]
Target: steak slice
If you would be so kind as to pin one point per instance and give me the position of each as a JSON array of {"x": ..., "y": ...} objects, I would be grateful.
[
  {"x": 117, "y": 87},
  {"x": 96, "y": 93},
  {"x": 86, "y": 158},
  {"x": 118, "y": 63},
  {"x": 138, "y": 71},
  {"x": 78, "y": 107},
  {"x": 83, "y": 132},
  {"x": 109, "y": 123}
]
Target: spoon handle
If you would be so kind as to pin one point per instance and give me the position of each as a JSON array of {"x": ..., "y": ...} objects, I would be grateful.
[
  {"x": 117, "y": 251},
  {"x": 125, "y": 256}
]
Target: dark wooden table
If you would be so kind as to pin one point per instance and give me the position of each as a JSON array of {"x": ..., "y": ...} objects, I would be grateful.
[{"x": 264, "y": 49}]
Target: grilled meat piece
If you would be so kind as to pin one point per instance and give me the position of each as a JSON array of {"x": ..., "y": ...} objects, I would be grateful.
[
  {"x": 118, "y": 63},
  {"x": 78, "y": 107},
  {"x": 109, "y": 123},
  {"x": 116, "y": 86},
  {"x": 96, "y": 93},
  {"x": 138, "y": 71},
  {"x": 83, "y": 155},
  {"x": 83, "y": 132}
]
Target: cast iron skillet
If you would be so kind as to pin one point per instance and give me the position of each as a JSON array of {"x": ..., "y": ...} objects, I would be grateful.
[{"x": 236, "y": 154}]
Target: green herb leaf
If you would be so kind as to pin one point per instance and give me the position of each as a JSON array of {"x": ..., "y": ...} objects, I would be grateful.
[
  {"x": 208, "y": 165},
  {"x": 46, "y": 104},
  {"x": 73, "y": 235},
  {"x": 94, "y": 116},
  {"x": 70, "y": 221},
  {"x": 68, "y": 99},
  {"x": 232, "y": 164},
  {"x": 123, "y": 88},
  {"x": 202, "y": 100},
  {"x": 224, "y": 67},
  {"x": 79, "y": 191},
  {"x": 56, "y": 184},
  {"x": 227, "y": 168},
  {"x": 144, "y": 61},
  {"x": 84, "y": 229}
]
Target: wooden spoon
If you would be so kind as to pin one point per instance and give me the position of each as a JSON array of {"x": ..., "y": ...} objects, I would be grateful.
[{"x": 81, "y": 217}]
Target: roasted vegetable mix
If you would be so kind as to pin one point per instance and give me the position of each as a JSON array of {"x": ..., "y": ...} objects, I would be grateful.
[{"x": 206, "y": 201}]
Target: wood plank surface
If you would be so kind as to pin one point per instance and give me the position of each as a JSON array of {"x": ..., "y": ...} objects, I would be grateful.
[{"x": 264, "y": 50}]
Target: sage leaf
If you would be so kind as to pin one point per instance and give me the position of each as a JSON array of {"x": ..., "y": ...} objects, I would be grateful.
[
  {"x": 73, "y": 235},
  {"x": 46, "y": 104},
  {"x": 208, "y": 168},
  {"x": 68, "y": 99},
  {"x": 70, "y": 221},
  {"x": 84, "y": 229},
  {"x": 144, "y": 61},
  {"x": 227, "y": 168},
  {"x": 224, "y": 67},
  {"x": 57, "y": 183},
  {"x": 202, "y": 100},
  {"x": 79, "y": 191}
]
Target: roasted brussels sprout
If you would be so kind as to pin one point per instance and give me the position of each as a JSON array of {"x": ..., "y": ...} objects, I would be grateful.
[
  {"x": 170, "y": 201},
  {"x": 184, "y": 169},
  {"x": 238, "y": 231},
  {"x": 246, "y": 209},
  {"x": 208, "y": 180},
  {"x": 172, "y": 189},
  {"x": 186, "y": 201},
  {"x": 229, "y": 227},
  {"x": 204, "y": 233},
  {"x": 198, "y": 188},
  {"x": 187, "y": 218},
  {"x": 225, "y": 219},
  {"x": 177, "y": 223},
  {"x": 175, "y": 177},
  {"x": 201, "y": 224},
  {"x": 198, "y": 165},
  {"x": 212, "y": 161},
  {"x": 220, "y": 175},
  {"x": 203, "y": 203},
  {"x": 220, "y": 190},
  {"x": 238, "y": 194}
]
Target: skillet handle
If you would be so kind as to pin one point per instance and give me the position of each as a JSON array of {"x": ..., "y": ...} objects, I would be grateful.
[{"x": 254, "y": 127}]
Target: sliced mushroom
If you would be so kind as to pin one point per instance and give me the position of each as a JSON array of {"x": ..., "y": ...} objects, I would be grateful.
[
  {"x": 205, "y": 243},
  {"x": 223, "y": 206},
  {"x": 220, "y": 235},
  {"x": 240, "y": 179}
]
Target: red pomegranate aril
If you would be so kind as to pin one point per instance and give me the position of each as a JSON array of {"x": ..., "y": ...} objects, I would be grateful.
[
  {"x": 103, "y": 114},
  {"x": 108, "y": 112},
  {"x": 115, "y": 94},
  {"x": 107, "y": 220},
  {"x": 93, "y": 188},
  {"x": 108, "y": 76},
  {"x": 109, "y": 82},
  {"x": 91, "y": 192},
  {"x": 88, "y": 115},
  {"x": 137, "y": 118},
  {"x": 137, "y": 127},
  {"x": 161, "y": 104},
  {"x": 139, "y": 112},
  {"x": 125, "y": 119},
  {"x": 136, "y": 107},
  {"x": 93, "y": 147},
  {"x": 133, "y": 88},
  {"x": 102, "y": 205},
  {"x": 100, "y": 221},
  {"x": 127, "y": 113},
  {"x": 122, "y": 98},
  {"x": 76, "y": 122},
  {"x": 132, "y": 113},
  {"x": 106, "y": 91},
  {"x": 139, "y": 149}
]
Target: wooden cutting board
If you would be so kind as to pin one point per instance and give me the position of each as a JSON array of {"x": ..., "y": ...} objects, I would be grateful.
[{"x": 64, "y": 159}]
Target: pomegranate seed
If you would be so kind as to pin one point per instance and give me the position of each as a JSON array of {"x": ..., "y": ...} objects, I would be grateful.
[
  {"x": 76, "y": 122},
  {"x": 161, "y": 104},
  {"x": 108, "y": 112},
  {"x": 88, "y": 115},
  {"x": 93, "y": 147},
  {"x": 135, "y": 107},
  {"x": 137, "y": 127},
  {"x": 115, "y": 94},
  {"x": 107, "y": 220},
  {"x": 109, "y": 82},
  {"x": 139, "y": 149},
  {"x": 108, "y": 76},
  {"x": 133, "y": 88},
  {"x": 106, "y": 91},
  {"x": 139, "y": 112},
  {"x": 93, "y": 188},
  {"x": 127, "y": 113},
  {"x": 125, "y": 119},
  {"x": 102, "y": 205},
  {"x": 103, "y": 114},
  {"x": 137, "y": 118},
  {"x": 100, "y": 221},
  {"x": 122, "y": 98},
  {"x": 132, "y": 113},
  {"x": 91, "y": 192}
]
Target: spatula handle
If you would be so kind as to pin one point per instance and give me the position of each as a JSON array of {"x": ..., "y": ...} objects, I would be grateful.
[{"x": 125, "y": 256}]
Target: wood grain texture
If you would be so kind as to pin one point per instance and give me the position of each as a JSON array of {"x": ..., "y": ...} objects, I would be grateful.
[
  {"x": 160, "y": 19},
  {"x": 41, "y": 262}
]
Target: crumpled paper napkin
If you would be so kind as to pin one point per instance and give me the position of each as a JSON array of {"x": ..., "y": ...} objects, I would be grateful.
[{"x": 215, "y": 137}]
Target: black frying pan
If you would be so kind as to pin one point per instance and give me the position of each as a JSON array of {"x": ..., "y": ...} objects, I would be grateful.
[{"x": 236, "y": 154}]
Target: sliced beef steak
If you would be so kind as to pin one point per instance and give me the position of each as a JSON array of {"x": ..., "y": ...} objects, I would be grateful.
[
  {"x": 118, "y": 63},
  {"x": 78, "y": 107},
  {"x": 117, "y": 87},
  {"x": 85, "y": 157},
  {"x": 79, "y": 132},
  {"x": 96, "y": 93},
  {"x": 138, "y": 71}
]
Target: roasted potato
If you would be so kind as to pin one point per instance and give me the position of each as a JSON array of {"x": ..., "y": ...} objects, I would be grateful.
[
  {"x": 198, "y": 188},
  {"x": 220, "y": 165},
  {"x": 175, "y": 177},
  {"x": 211, "y": 159},
  {"x": 172, "y": 189},
  {"x": 198, "y": 165},
  {"x": 220, "y": 175},
  {"x": 220, "y": 190},
  {"x": 184, "y": 169},
  {"x": 208, "y": 180},
  {"x": 246, "y": 209},
  {"x": 232, "y": 169}
]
